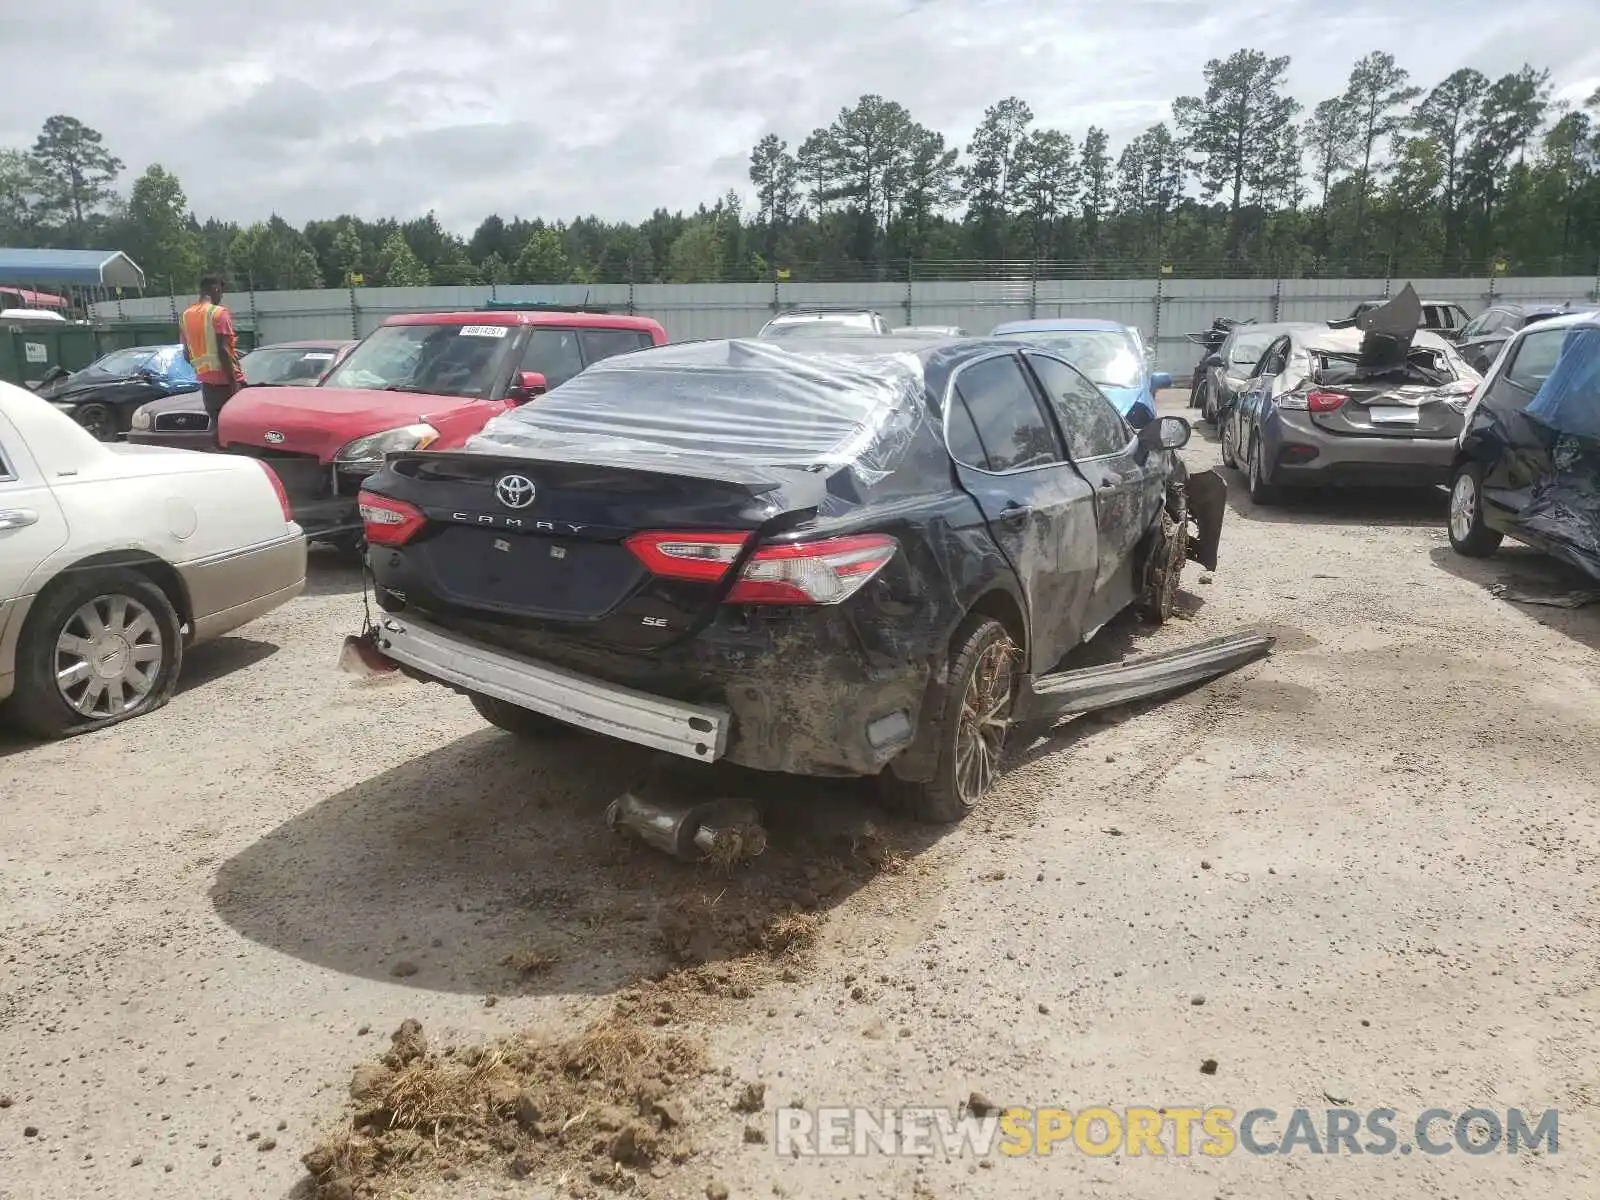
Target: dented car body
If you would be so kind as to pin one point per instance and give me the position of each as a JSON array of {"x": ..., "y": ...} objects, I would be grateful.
[
  {"x": 824, "y": 558},
  {"x": 1376, "y": 404},
  {"x": 1528, "y": 463}
]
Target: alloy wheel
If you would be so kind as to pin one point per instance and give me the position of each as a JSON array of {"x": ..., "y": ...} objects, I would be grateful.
[
  {"x": 1463, "y": 506},
  {"x": 108, "y": 656},
  {"x": 985, "y": 721}
]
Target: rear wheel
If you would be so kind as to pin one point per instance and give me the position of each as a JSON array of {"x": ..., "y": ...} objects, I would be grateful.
[
  {"x": 1261, "y": 492},
  {"x": 1469, "y": 536},
  {"x": 96, "y": 651},
  {"x": 972, "y": 726},
  {"x": 98, "y": 419},
  {"x": 513, "y": 718},
  {"x": 1230, "y": 439}
]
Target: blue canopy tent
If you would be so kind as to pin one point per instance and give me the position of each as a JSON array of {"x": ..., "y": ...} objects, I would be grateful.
[{"x": 35, "y": 278}]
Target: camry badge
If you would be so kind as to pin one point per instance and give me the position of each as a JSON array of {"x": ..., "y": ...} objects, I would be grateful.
[
  {"x": 514, "y": 491},
  {"x": 273, "y": 436}
]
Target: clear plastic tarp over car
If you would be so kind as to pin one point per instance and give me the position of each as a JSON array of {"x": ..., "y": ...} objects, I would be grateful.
[{"x": 744, "y": 402}]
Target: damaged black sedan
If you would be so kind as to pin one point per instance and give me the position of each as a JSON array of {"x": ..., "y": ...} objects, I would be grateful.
[
  {"x": 851, "y": 557},
  {"x": 1528, "y": 462}
]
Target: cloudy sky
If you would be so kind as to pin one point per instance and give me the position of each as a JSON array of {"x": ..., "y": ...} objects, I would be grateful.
[{"x": 557, "y": 107}]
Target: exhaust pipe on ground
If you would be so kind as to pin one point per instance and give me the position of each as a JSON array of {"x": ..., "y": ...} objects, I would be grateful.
[{"x": 724, "y": 831}]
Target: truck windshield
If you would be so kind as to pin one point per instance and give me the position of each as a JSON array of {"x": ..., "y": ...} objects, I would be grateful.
[{"x": 441, "y": 360}]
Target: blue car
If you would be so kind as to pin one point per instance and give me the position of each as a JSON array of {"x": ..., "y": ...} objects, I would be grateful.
[{"x": 1111, "y": 355}]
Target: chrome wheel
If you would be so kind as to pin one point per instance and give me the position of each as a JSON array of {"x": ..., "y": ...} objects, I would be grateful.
[
  {"x": 1229, "y": 454},
  {"x": 108, "y": 655},
  {"x": 1463, "y": 507},
  {"x": 985, "y": 721}
]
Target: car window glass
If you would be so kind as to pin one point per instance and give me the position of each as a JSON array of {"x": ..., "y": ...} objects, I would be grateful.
[
  {"x": 603, "y": 343},
  {"x": 5, "y": 465},
  {"x": 1535, "y": 358},
  {"x": 1475, "y": 327},
  {"x": 1092, "y": 426},
  {"x": 554, "y": 354},
  {"x": 1007, "y": 423}
]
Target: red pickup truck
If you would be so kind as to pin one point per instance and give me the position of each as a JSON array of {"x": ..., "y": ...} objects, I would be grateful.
[{"x": 423, "y": 382}]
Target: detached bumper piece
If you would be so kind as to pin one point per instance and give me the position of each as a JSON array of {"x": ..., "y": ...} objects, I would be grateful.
[
  {"x": 1066, "y": 693},
  {"x": 698, "y": 732}
]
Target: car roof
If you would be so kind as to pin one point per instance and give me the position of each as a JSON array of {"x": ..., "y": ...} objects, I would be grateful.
[
  {"x": 1061, "y": 325},
  {"x": 307, "y": 344},
  {"x": 823, "y": 314},
  {"x": 1274, "y": 329},
  {"x": 1583, "y": 316},
  {"x": 529, "y": 317}
]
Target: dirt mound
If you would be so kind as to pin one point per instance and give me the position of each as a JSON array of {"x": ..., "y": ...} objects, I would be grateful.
[
  {"x": 599, "y": 1110},
  {"x": 595, "y": 1106}
]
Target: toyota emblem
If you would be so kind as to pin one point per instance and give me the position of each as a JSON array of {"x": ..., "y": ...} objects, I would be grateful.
[
  {"x": 515, "y": 491},
  {"x": 274, "y": 437}
]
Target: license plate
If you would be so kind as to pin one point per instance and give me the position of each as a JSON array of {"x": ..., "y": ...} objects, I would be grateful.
[{"x": 1383, "y": 415}]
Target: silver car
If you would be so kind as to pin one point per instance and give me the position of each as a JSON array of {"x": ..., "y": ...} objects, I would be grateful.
[
  {"x": 824, "y": 322},
  {"x": 1326, "y": 408}
]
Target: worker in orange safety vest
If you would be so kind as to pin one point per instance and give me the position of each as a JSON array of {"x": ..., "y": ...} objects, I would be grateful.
[{"x": 211, "y": 345}]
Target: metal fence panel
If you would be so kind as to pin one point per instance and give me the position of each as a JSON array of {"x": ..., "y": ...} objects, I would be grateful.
[{"x": 1162, "y": 309}]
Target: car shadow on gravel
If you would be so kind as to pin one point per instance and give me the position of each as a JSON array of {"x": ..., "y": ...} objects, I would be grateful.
[
  {"x": 210, "y": 661},
  {"x": 1522, "y": 570},
  {"x": 331, "y": 572},
  {"x": 486, "y": 866},
  {"x": 1415, "y": 508}
]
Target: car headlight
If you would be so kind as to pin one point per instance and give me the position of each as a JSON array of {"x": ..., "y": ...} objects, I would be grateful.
[
  {"x": 366, "y": 454},
  {"x": 141, "y": 419}
]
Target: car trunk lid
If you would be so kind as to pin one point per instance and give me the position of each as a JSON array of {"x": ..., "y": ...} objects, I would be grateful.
[{"x": 545, "y": 540}]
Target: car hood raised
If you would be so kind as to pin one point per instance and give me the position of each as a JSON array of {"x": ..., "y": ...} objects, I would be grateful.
[{"x": 319, "y": 420}]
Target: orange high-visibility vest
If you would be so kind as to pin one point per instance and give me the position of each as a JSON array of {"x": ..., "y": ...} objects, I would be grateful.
[{"x": 199, "y": 328}]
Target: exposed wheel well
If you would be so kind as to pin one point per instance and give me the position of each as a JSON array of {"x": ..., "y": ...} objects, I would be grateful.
[
  {"x": 1003, "y": 607},
  {"x": 157, "y": 571}
]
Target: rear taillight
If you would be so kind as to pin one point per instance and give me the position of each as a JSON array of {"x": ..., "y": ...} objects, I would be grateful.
[
  {"x": 1325, "y": 401},
  {"x": 825, "y": 571},
  {"x": 389, "y": 522},
  {"x": 277, "y": 487}
]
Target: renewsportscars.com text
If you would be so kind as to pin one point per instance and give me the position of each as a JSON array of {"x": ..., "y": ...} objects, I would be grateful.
[{"x": 1161, "y": 1132}]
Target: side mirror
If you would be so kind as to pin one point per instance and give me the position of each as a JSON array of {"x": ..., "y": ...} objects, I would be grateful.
[
  {"x": 1165, "y": 433},
  {"x": 528, "y": 385},
  {"x": 1161, "y": 379},
  {"x": 1212, "y": 360}
]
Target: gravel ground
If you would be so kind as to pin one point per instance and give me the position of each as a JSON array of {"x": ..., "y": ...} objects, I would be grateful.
[{"x": 1362, "y": 871}]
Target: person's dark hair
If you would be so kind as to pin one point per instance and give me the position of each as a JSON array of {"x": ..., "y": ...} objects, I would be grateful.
[{"x": 210, "y": 285}]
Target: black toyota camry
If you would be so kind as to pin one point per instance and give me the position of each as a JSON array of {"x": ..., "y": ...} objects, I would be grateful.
[{"x": 825, "y": 557}]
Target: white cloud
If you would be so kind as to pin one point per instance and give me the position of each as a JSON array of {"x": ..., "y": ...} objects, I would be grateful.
[{"x": 560, "y": 107}]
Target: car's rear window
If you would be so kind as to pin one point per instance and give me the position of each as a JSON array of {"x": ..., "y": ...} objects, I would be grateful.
[{"x": 749, "y": 402}]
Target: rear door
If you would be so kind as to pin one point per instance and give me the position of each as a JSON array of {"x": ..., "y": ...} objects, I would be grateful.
[
  {"x": 1129, "y": 486},
  {"x": 1039, "y": 509},
  {"x": 32, "y": 526},
  {"x": 1508, "y": 482}
]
